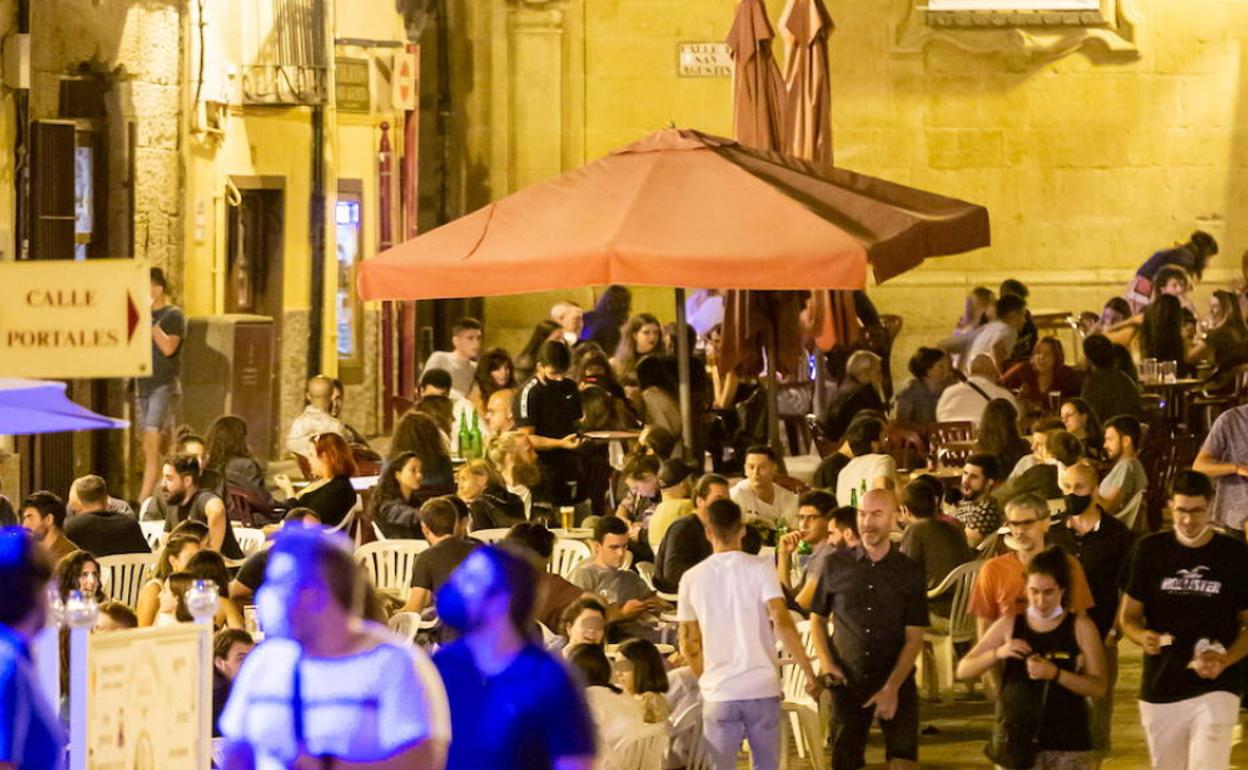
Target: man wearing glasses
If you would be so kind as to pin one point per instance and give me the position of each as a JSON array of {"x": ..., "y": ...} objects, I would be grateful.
[
  {"x": 998, "y": 588},
  {"x": 1186, "y": 605}
]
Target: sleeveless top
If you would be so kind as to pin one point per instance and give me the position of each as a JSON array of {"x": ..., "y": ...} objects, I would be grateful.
[{"x": 1064, "y": 722}]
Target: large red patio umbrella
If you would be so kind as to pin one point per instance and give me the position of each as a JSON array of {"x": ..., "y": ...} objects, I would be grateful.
[
  {"x": 683, "y": 209},
  {"x": 686, "y": 209}
]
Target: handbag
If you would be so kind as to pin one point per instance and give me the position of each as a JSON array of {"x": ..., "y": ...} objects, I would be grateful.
[{"x": 1015, "y": 745}]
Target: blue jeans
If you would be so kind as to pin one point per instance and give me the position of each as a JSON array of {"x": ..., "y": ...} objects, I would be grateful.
[
  {"x": 157, "y": 411},
  {"x": 726, "y": 723}
]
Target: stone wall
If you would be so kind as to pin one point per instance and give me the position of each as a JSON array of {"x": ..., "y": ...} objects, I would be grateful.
[
  {"x": 138, "y": 48},
  {"x": 1087, "y": 162}
]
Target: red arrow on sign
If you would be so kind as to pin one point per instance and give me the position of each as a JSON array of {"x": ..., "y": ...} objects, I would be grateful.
[{"x": 132, "y": 317}]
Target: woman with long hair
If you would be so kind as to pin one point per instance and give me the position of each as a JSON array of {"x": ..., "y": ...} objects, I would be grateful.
[
  {"x": 79, "y": 571},
  {"x": 210, "y": 565},
  {"x": 932, "y": 373},
  {"x": 1226, "y": 340},
  {"x": 177, "y": 552},
  {"x": 619, "y": 716},
  {"x": 394, "y": 508},
  {"x": 1043, "y": 374},
  {"x": 660, "y": 407},
  {"x": 419, "y": 434},
  {"x": 1081, "y": 419},
  {"x": 526, "y": 362},
  {"x": 642, "y": 336},
  {"x": 640, "y": 672},
  {"x": 490, "y": 505},
  {"x": 999, "y": 436},
  {"x": 228, "y": 460},
  {"x": 495, "y": 372},
  {"x": 1161, "y": 331},
  {"x": 1051, "y": 661},
  {"x": 330, "y": 494}
]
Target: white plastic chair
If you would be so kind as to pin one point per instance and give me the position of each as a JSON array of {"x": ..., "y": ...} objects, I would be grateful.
[
  {"x": 1131, "y": 511},
  {"x": 250, "y": 540},
  {"x": 961, "y": 624},
  {"x": 567, "y": 556},
  {"x": 646, "y": 570},
  {"x": 489, "y": 535},
  {"x": 408, "y": 625},
  {"x": 153, "y": 533},
  {"x": 122, "y": 576},
  {"x": 390, "y": 562},
  {"x": 643, "y": 752}
]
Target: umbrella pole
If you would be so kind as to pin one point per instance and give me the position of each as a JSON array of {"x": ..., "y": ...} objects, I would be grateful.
[
  {"x": 773, "y": 406},
  {"x": 682, "y": 369}
]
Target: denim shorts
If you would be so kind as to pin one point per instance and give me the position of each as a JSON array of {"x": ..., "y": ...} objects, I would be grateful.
[{"x": 157, "y": 411}]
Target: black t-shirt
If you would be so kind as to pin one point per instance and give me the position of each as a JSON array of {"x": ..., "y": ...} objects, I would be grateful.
[
  {"x": 332, "y": 502},
  {"x": 1191, "y": 594},
  {"x": 197, "y": 508},
  {"x": 104, "y": 533},
  {"x": 550, "y": 407},
  {"x": 829, "y": 471},
  {"x": 522, "y": 718},
  {"x": 165, "y": 369},
  {"x": 251, "y": 574},
  {"x": 1102, "y": 553},
  {"x": 434, "y": 566},
  {"x": 684, "y": 546}
]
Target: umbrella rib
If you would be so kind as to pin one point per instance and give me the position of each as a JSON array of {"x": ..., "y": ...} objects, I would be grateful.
[{"x": 484, "y": 232}]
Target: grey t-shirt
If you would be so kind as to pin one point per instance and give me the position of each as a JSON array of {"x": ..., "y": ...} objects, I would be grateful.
[
  {"x": 166, "y": 369},
  {"x": 1127, "y": 476},
  {"x": 1228, "y": 443},
  {"x": 461, "y": 370},
  {"x": 615, "y": 585}
]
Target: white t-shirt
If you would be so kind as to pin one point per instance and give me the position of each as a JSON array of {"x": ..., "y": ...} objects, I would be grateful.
[
  {"x": 986, "y": 341},
  {"x": 727, "y": 594},
  {"x": 618, "y": 716},
  {"x": 462, "y": 370},
  {"x": 784, "y": 504},
  {"x": 360, "y": 708},
  {"x": 866, "y": 468},
  {"x": 961, "y": 402}
]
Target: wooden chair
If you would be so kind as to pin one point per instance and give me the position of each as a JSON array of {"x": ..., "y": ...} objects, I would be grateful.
[
  {"x": 390, "y": 562},
  {"x": 1210, "y": 405},
  {"x": 961, "y": 627},
  {"x": 905, "y": 444},
  {"x": 122, "y": 576},
  {"x": 1162, "y": 458},
  {"x": 950, "y": 443}
]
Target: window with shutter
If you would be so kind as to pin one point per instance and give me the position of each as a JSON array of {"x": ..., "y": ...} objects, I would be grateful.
[{"x": 52, "y": 210}]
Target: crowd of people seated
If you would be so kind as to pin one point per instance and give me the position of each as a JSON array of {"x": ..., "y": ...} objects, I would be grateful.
[{"x": 704, "y": 555}]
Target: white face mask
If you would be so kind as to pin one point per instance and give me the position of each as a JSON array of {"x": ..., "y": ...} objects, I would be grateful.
[
  {"x": 1192, "y": 541},
  {"x": 1053, "y": 614}
]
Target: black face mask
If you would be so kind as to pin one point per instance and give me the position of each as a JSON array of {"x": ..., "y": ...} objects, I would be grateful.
[{"x": 1077, "y": 504}]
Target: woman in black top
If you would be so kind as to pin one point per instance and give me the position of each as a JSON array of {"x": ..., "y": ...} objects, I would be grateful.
[
  {"x": 1161, "y": 333},
  {"x": 394, "y": 509},
  {"x": 419, "y": 434},
  {"x": 999, "y": 436},
  {"x": 330, "y": 494},
  {"x": 1226, "y": 341},
  {"x": 228, "y": 461},
  {"x": 1051, "y": 661}
]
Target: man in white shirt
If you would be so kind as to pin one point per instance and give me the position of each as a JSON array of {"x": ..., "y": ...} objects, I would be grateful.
[
  {"x": 870, "y": 468},
  {"x": 571, "y": 318},
  {"x": 315, "y": 419},
  {"x": 764, "y": 502},
  {"x": 998, "y": 337},
  {"x": 461, "y": 361},
  {"x": 967, "y": 400},
  {"x": 728, "y": 605}
]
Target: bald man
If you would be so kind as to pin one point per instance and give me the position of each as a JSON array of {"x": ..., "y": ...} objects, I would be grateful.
[
  {"x": 1102, "y": 544},
  {"x": 316, "y": 418},
  {"x": 877, "y": 596},
  {"x": 499, "y": 417}
]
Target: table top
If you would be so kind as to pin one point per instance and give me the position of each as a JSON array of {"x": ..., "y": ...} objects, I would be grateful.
[
  {"x": 612, "y": 435},
  {"x": 1185, "y": 383},
  {"x": 576, "y": 533}
]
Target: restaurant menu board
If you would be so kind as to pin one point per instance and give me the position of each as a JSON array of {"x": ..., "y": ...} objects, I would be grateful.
[{"x": 149, "y": 703}]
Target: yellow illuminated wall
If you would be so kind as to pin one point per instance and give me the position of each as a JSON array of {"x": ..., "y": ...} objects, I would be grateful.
[{"x": 1087, "y": 163}]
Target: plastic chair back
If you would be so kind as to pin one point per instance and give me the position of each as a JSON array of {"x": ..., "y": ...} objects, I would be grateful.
[
  {"x": 567, "y": 556},
  {"x": 390, "y": 562},
  {"x": 122, "y": 576}
]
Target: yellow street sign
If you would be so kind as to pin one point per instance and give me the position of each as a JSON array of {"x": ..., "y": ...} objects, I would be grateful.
[{"x": 75, "y": 320}]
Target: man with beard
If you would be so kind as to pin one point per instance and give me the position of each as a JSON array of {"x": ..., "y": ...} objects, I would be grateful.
[
  {"x": 513, "y": 705},
  {"x": 877, "y": 598},
  {"x": 1126, "y": 478},
  {"x": 43, "y": 515},
  {"x": 978, "y": 512},
  {"x": 181, "y": 498},
  {"x": 1186, "y": 605}
]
